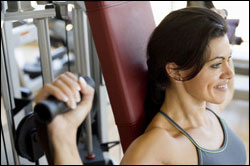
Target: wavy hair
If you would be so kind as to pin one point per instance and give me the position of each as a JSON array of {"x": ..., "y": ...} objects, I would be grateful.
[{"x": 182, "y": 37}]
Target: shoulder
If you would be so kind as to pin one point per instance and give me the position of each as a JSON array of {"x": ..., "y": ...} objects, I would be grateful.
[{"x": 150, "y": 148}]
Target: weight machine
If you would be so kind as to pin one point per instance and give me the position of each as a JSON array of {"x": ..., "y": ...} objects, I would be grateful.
[{"x": 20, "y": 138}]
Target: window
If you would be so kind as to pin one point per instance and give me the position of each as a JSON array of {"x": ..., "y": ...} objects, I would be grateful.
[{"x": 236, "y": 10}]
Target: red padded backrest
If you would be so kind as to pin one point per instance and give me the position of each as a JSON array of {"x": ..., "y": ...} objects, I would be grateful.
[{"x": 121, "y": 31}]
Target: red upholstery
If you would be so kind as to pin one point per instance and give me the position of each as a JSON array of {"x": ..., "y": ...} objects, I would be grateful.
[{"x": 121, "y": 31}]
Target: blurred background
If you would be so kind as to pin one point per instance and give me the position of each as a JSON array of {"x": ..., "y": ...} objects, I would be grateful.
[{"x": 26, "y": 55}]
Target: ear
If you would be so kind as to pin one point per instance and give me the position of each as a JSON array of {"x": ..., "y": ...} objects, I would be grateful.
[{"x": 173, "y": 72}]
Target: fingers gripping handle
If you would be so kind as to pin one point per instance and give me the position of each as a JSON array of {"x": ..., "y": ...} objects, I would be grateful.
[{"x": 47, "y": 109}]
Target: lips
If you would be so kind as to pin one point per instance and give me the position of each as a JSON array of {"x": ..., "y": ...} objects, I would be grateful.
[{"x": 221, "y": 87}]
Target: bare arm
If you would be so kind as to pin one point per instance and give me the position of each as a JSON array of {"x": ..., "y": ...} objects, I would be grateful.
[
  {"x": 66, "y": 153},
  {"x": 63, "y": 128}
]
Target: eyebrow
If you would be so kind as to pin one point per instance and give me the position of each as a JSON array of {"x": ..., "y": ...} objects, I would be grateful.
[{"x": 220, "y": 57}]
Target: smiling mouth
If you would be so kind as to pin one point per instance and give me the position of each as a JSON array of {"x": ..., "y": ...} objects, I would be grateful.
[{"x": 221, "y": 87}]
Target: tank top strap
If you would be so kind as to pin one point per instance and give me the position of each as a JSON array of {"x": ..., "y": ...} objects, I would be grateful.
[
  {"x": 213, "y": 113},
  {"x": 192, "y": 140},
  {"x": 222, "y": 122},
  {"x": 179, "y": 128}
]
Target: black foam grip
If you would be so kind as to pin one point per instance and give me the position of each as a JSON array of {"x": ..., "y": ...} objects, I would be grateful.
[{"x": 47, "y": 109}]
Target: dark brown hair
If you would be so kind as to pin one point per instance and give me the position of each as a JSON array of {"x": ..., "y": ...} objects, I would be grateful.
[{"x": 182, "y": 37}]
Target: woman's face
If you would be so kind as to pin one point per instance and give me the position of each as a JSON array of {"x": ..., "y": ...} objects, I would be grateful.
[{"x": 210, "y": 84}]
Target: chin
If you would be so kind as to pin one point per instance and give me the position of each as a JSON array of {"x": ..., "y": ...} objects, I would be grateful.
[{"x": 218, "y": 100}]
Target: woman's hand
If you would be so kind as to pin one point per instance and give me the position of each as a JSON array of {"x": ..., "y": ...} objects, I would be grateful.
[
  {"x": 63, "y": 128},
  {"x": 67, "y": 88}
]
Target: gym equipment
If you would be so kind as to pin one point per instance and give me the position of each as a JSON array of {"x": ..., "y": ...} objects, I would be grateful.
[
  {"x": 121, "y": 30},
  {"x": 40, "y": 17},
  {"x": 26, "y": 139}
]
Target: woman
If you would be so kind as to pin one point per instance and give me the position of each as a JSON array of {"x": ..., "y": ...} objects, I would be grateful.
[{"x": 190, "y": 81}]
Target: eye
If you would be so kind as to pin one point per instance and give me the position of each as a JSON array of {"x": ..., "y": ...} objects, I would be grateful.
[{"x": 215, "y": 66}]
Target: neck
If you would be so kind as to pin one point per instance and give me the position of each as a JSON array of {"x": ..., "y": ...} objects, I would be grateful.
[{"x": 183, "y": 108}]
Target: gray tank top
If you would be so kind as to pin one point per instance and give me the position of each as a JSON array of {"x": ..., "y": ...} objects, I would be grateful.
[{"x": 232, "y": 152}]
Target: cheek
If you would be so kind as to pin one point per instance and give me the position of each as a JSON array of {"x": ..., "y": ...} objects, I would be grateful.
[
  {"x": 196, "y": 88},
  {"x": 207, "y": 78},
  {"x": 200, "y": 86}
]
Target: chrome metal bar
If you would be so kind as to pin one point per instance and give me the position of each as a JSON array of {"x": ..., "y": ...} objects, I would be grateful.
[
  {"x": 76, "y": 39},
  {"x": 38, "y": 12},
  {"x": 101, "y": 92},
  {"x": 4, "y": 159},
  {"x": 6, "y": 114},
  {"x": 44, "y": 49},
  {"x": 15, "y": 84},
  {"x": 81, "y": 43}
]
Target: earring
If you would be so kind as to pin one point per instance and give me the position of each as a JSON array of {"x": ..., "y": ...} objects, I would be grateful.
[{"x": 180, "y": 79}]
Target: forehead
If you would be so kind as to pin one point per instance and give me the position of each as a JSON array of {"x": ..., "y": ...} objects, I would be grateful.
[{"x": 219, "y": 47}]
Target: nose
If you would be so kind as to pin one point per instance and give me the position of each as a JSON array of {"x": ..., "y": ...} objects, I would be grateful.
[{"x": 228, "y": 72}]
